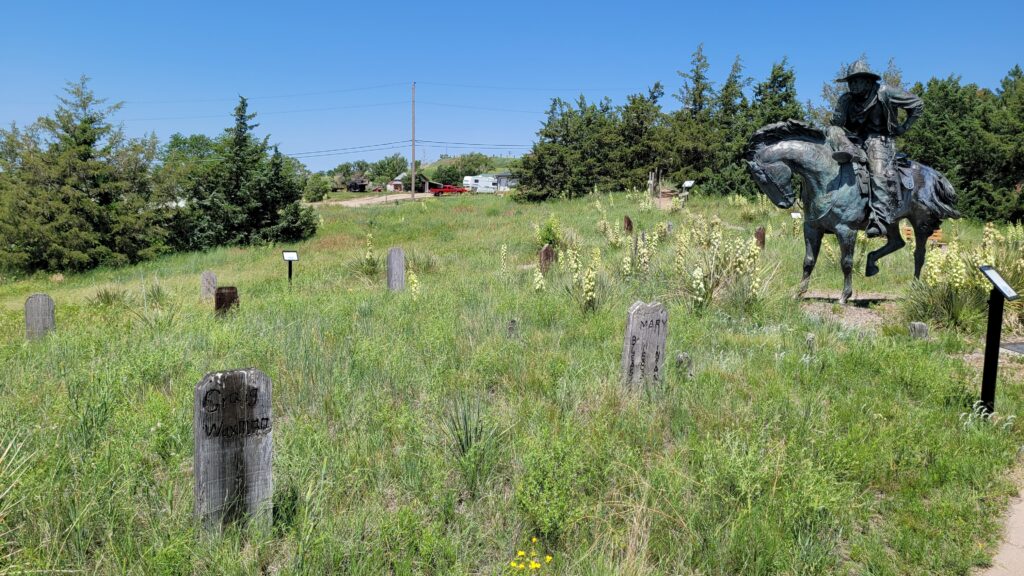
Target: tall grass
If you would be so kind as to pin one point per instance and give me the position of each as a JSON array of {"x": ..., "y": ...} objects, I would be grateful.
[{"x": 770, "y": 459}]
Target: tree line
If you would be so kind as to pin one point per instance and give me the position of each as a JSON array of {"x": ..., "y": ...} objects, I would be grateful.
[
  {"x": 973, "y": 134},
  {"x": 76, "y": 193}
]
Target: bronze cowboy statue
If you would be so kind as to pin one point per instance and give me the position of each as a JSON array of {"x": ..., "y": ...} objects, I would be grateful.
[
  {"x": 869, "y": 113},
  {"x": 843, "y": 189}
]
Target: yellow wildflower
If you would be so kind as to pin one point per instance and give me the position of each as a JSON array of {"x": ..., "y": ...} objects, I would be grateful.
[
  {"x": 534, "y": 565},
  {"x": 547, "y": 559},
  {"x": 520, "y": 553},
  {"x": 534, "y": 539}
]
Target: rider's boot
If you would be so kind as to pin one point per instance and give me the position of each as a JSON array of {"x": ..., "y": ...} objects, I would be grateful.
[
  {"x": 876, "y": 227},
  {"x": 850, "y": 154}
]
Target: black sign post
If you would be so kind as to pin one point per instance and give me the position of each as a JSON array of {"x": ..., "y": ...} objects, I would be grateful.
[
  {"x": 289, "y": 257},
  {"x": 1001, "y": 292}
]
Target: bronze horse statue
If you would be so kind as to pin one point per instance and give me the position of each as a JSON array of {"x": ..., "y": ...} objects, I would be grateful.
[{"x": 833, "y": 202}]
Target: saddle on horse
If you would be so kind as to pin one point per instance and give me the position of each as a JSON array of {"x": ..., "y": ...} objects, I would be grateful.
[{"x": 900, "y": 180}]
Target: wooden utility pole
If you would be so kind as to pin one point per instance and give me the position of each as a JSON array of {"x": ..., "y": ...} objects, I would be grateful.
[{"x": 413, "y": 141}]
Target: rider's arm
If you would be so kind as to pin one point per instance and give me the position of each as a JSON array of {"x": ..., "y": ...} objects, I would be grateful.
[
  {"x": 839, "y": 114},
  {"x": 912, "y": 104}
]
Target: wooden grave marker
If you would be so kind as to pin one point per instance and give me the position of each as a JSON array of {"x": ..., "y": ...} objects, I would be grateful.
[
  {"x": 547, "y": 256},
  {"x": 233, "y": 432},
  {"x": 396, "y": 270},
  {"x": 643, "y": 350},
  {"x": 225, "y": 298},
  {"x": 39, "y": 316},
  {"x": 207, "y": 285}
]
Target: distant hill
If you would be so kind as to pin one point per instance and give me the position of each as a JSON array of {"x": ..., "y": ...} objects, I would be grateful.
[{"x": 495, "y": 164}]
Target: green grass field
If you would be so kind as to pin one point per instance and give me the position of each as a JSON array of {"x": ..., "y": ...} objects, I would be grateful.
[{"x": 861, "y": 456}]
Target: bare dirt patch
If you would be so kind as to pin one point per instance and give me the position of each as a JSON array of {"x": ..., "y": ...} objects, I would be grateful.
[{"x": 851, "y": 316}]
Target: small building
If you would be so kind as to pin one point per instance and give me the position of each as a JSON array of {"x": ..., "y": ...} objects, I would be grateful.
[
  {"x": 396, "y": 184},
  {"x": 505, "y": 181}
]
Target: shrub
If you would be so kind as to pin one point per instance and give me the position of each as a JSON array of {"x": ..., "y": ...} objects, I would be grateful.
[
  {"x": 952, "y": 291},
  {"x": 553, "y": 488}
]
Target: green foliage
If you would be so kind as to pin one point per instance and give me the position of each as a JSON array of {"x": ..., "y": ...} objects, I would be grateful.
[
  {"x": 768, "y": 459},
  {"x": 974, "y": 136},
  {"x": 387, "y": 168},
  {"x": 550, "y": 233},
  {"x": 586, "y": 146},
  {"x": 473, "y": 442},
  {"x": 453, "y": 170},
  {"x": 317, "y": 187},
  {"x": 74, "y": 192},
  {"x": 552, "y": 490},
  {"x": 234, "y": 190}
]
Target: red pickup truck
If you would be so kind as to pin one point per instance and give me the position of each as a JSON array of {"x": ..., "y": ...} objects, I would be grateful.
[{"x": 448, "y": 189}]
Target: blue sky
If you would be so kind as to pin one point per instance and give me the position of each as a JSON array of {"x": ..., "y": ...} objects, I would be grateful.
[{"x": 325, "y": 76}]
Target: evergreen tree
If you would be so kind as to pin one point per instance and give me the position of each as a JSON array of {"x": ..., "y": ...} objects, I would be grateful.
[
  {"x": 77, "y": 193},
  {"x": 643, "y": 133},
  {"x": 775, "y": 98}
]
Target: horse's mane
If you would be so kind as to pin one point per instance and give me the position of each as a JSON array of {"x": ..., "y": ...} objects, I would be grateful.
[{"x": 787, "y": 130}]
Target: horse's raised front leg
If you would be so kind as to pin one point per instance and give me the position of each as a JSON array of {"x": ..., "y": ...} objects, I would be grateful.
[
  {"x": 894, "y": 243},
  {"x": 812, "y": 243},
  {"x": 921, "y": 234},
  {"x": 847, "y": 242}
]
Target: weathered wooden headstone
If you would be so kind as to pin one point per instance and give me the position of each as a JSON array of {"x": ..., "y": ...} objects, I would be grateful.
[
  {"x": 759, "y": 237},
  {"x": 918, "y": 330},
  {"x": 671, "y": 227},
  {"x": 39, "y": 316},
  {"x": 232, "y": 427},
  {"x": 627, "y": 224},
  {"x": 396, "y": 270},
  {"x": 547, "y": 256},
  {"x": 811, "y": 341},
  {"x": 207, "y": 285},
  {"x": 513, "y": 328},
  {"x": 224, "y": 299},
  {"x": 643, "y": 350}
]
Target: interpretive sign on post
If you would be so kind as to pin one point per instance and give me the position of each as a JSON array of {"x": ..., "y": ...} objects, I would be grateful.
[
  {"x": 643, "y": 350},
  {"x": 396, "y": 269},
  {"x": 1001, "y": 292},
  {"x": 39, "y": 316},
  {"x": 232, "y": 427}
]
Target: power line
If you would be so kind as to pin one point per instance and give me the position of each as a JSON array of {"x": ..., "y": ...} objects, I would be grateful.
[
  {"x": 482, "y": 108},
  {"x": 298, "y": 95},
  {"x": 516, "y": 88},
  {"x": 350, "y": 148},
  {"x": 474, "y": 144},
  {"x": 275, "y": 113}
]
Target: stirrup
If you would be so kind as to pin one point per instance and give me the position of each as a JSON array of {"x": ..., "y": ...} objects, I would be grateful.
[{"x": 876, "y": 229}]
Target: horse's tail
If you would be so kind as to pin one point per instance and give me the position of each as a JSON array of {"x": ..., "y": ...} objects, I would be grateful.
[{"x": 936, "y": 194}]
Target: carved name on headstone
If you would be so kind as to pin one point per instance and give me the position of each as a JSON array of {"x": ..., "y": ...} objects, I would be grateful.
[
  {"x": 547, "y": 256},
  {"x": 232, "y": 427},
  {"x": 396, "y": 269},
  {"x": 39, "y": 316},
  {"x": 643, "y": 351},
  {"x": 207, "y": 285},
  {"x": 225, "y": 299},
  {"x": 759, "y": 237}
]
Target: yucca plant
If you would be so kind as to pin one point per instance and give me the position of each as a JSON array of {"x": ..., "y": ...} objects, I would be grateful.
[{"x": 472, "y": 441}]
